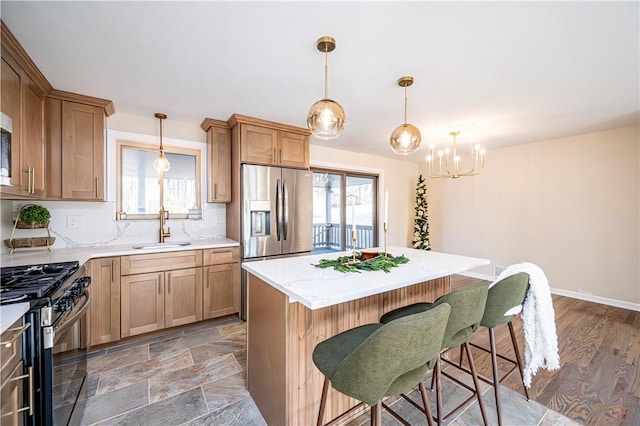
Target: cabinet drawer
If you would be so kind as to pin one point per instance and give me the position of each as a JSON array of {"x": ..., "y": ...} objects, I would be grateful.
[
  {"x": 157, "y": 262},
  {"x": 220, "y": 255},
  {"x": 11, "y": 347}
]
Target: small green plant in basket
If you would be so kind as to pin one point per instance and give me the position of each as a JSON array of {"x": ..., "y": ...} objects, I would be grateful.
[{"x": 33, "y": 214}]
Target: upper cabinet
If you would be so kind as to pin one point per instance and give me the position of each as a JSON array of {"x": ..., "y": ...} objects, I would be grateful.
[
  {"x": 75, "y": 127},
  {"x": 22, "y": 105},
  {"x": 273, "y": 144},
  {"x": 56, "y": 145},
  {"x": 219, "y": 160}
]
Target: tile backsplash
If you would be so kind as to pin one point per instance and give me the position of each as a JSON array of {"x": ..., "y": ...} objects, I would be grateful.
[{"x": 96, "y": 224}]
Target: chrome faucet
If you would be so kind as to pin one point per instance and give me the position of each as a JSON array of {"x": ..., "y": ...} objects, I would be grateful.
[{"x": 163, "y": 220}]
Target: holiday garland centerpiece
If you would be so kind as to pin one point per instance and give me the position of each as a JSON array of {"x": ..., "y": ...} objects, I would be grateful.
[
  {"x": 421, "y": 222},
  {"x": 380, "y": 262}
]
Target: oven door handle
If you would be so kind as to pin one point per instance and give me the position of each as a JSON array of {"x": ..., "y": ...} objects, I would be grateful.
[{"x": 69, "y": 321}]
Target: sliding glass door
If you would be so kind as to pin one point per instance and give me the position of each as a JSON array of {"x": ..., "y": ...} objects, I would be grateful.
[{"x": 344, "y": 202}]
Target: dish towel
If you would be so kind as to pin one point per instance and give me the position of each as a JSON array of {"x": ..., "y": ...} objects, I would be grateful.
[{"x": 538, "y": 318}]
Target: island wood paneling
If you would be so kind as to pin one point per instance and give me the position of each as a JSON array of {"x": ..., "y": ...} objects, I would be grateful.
[{"x": 281, "y": 336}]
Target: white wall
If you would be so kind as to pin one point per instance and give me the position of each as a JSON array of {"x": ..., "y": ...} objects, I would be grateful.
[
  {"x": 397, "y": 176},
  {"x": 571, "y": 206}
]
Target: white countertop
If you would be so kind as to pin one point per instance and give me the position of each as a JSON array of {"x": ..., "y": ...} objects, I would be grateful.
[
  {"x": 317, "y": 288},
  {"x": 10, "y": 314},
  {"x": 83, "y": 254}
]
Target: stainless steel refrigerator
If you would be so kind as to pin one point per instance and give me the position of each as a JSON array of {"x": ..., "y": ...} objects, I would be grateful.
[{"x": 277, "y": 215}]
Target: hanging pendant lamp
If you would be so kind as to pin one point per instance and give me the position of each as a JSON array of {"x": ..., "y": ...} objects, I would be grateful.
[
  {"x": 326, "y": 117},
  {"x": 406, "y": 138},
  {"x": 161, "y": 163}
]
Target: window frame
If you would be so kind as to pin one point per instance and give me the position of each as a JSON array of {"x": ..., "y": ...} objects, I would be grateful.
[{"x": 126, "y": 143}]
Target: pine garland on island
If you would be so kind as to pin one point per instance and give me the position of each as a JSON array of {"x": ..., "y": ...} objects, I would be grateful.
[{"x": 421, "y": 224}]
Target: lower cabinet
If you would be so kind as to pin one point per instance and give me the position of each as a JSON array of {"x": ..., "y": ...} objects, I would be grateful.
[
  {"x": 221, "y": 290},
  {"x": 183, "y": 297},
  {"x": 104, "y": 308},
  {"x": 137, "y": 294},
  {"x": 160, "y": 299},
  {"x": 12, "y": 396}
]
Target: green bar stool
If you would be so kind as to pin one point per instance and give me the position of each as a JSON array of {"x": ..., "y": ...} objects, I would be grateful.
[
  {"x": 504, "y": 302},
  {"x": 374, "y": 361},
  {"x": 467, "y": 309}
]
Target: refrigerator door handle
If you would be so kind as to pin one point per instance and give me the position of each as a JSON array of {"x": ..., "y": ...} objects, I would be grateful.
[
  {"x": 278, "y": 210},
  {"x": 285, "y": 208}
]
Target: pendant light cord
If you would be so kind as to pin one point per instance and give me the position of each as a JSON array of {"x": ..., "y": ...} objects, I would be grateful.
[
  {"x": 405, "y": 104},
  {"x": 326, "y": 73}
]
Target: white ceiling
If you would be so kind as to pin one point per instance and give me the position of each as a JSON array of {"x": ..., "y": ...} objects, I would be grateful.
[{"x": 504, "y": 72}]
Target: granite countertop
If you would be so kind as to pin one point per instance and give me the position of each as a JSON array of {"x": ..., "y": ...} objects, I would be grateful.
[
  {"x": 83, "y": 254},
  {"x": 317, "y": 288},
  {"x": 11, "y": 313}
]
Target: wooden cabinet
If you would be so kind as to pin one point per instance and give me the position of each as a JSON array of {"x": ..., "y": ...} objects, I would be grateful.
[
  {"x": 265, "y": 142},
  {"x": 57, "y": 138},
  {"x": 75, "y": 132},
  {"x": 221, "y": 292},
  {"x": 142, "y": 305},
  {"x": 104, "y": 310},
  {"x": 219, "y": 160},
  {"x": 23, "y": 103},
  {"x": 183, "y": 296},
  {"x": 160, "y": 290},
  {"x": 12, "y": 392}
]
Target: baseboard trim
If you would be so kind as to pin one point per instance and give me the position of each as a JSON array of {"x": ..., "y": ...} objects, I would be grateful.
[{"x": 572, "y": 294}]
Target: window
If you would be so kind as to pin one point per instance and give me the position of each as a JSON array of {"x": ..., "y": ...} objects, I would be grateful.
[
  {"x": 138, "y": 186},
  {"x": 341, "y": 199}
]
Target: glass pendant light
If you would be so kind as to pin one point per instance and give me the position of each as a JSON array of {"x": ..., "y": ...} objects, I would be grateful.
[
  {"x": 161, "y": 163},
  {"x": 326, "y": 117},
  {"x": 406, "y": 138}
]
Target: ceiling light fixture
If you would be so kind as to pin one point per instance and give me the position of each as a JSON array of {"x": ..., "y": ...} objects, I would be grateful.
[
  {"x": 161, "y": 163},
  {"x": 406, "y": 138},
  {"x": 326, "y": 117},
  {"x": 477, "y": 161}
]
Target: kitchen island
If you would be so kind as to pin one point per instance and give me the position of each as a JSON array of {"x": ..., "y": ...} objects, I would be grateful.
[{"x": 292, "y": 306}]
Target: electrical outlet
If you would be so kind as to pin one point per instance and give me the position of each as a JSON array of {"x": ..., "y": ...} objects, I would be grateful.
[{"x": 75, "y": 221}]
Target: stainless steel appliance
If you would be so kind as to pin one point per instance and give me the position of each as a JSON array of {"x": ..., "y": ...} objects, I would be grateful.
[
  {"x": 55, "y": 351},
  {"x": 277, "y": 215},
  {"x": 6, "y": 128}
]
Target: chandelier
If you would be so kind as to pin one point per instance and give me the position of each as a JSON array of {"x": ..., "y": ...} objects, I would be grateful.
[
  {"x": 405, "y": 138},
  {"x": 326, "y": 117},
  {"x": 449, "y": 165}
]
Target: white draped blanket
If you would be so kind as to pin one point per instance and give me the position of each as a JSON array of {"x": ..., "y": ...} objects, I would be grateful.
[{"x": 540, "y": 338}]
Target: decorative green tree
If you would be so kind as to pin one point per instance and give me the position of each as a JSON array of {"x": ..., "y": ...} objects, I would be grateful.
[{"x": 421, "y": 225}]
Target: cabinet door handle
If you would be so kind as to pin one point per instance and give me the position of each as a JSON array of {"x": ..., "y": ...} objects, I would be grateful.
[
  {"x": 113, "y": 266},
  {"x": 33, "y": 180},
  {"x": 96, "y": 186},
  {"x": 159, "y": 287},
  {"x": 280, "y": 159},
  {"x": 215, "y": 190},
  {"x": 18, "y": 333},
  {"x": 169, "y": 282},
  {"x": 30, "y": 407},
  {"x": 275, "y": 156}
]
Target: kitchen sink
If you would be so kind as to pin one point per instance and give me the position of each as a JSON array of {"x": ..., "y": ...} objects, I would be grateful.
[{"x": 152, "y": 246}]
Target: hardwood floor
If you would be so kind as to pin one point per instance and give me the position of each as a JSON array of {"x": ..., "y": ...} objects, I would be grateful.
[{"x": 598, "y": 382}]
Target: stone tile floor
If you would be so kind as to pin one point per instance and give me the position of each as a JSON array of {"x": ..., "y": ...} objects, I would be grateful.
[{"x": 197, "y": 376}]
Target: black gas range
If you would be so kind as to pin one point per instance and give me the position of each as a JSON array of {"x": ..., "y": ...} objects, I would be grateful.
[{"x": 58, "y": 295}]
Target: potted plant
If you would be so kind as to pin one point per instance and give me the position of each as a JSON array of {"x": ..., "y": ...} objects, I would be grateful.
[{"x": 33, "y": 216}]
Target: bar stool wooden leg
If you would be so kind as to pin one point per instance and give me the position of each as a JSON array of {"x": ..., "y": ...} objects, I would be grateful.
[
  {"x": 496, "y": 376},
  {"x": 425, "y": 402},
  {"x": 323, "y": 401},
  {"x": 518, "y": 358},
  {"x": 438, "y": 393},
  {"x": 474, "y": 375}
]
